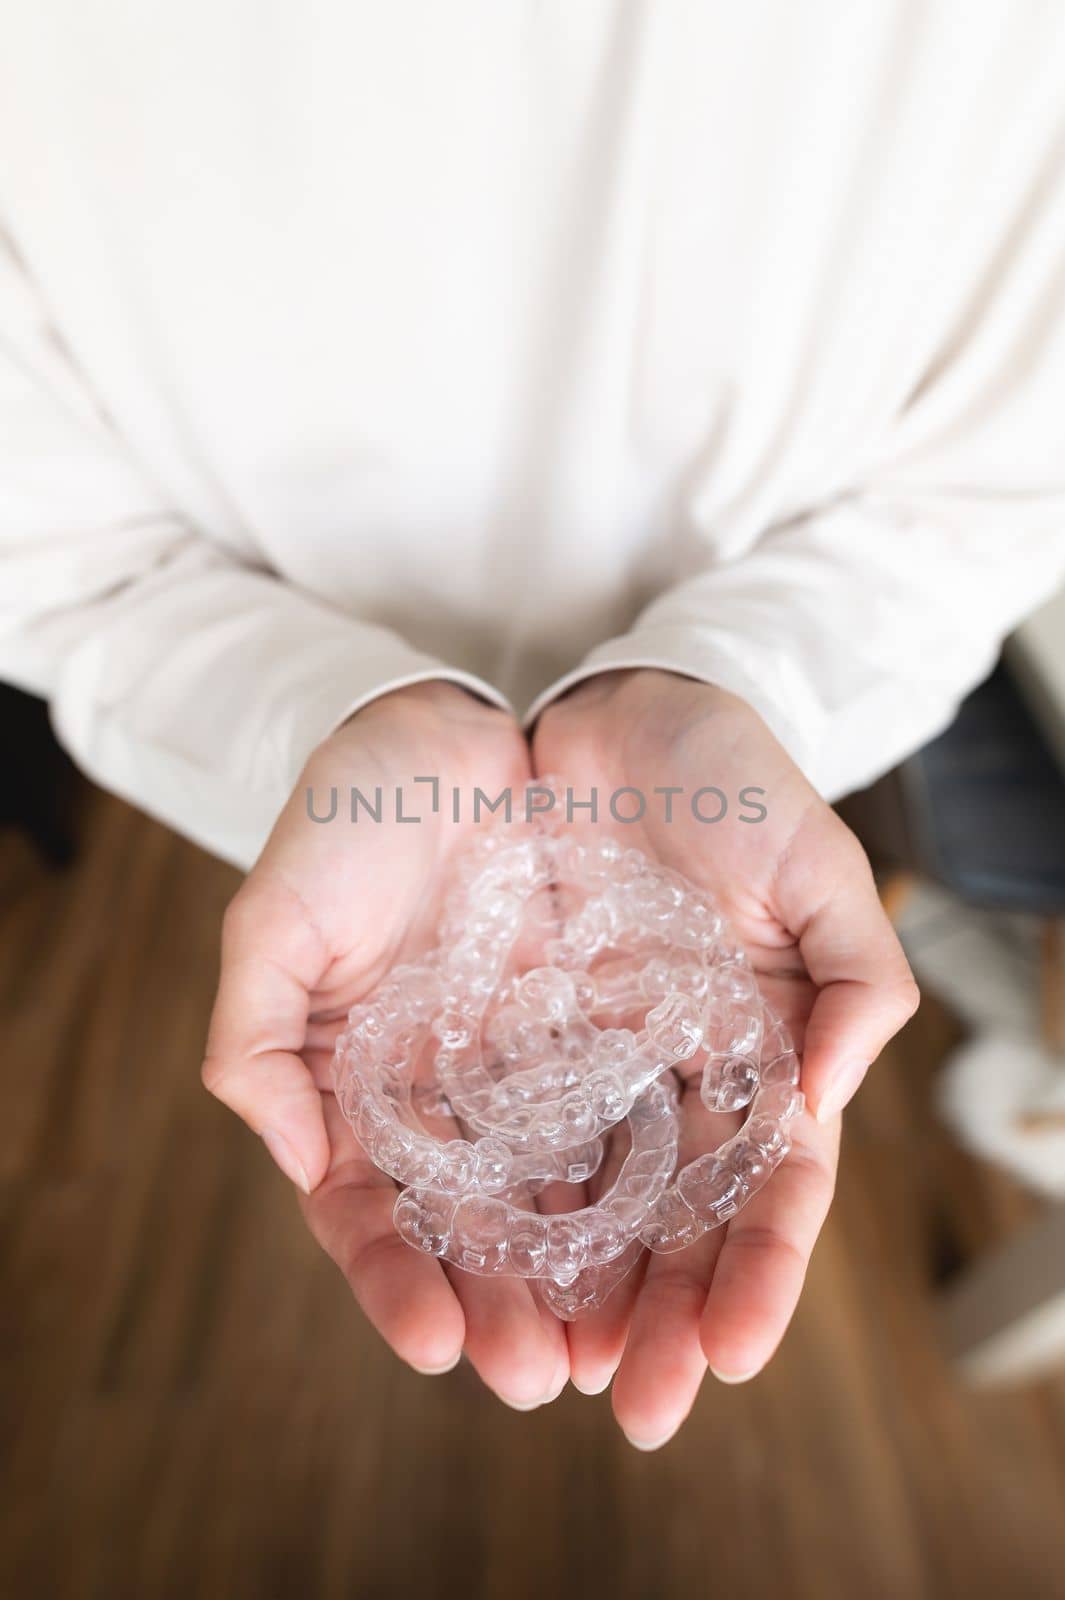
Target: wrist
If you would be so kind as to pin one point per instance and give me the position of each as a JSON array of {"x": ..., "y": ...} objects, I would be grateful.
[
  {"x": 646, "y": 693},
  {"x": 435, "y": 724},
  {"x": 437, "y": 694}
]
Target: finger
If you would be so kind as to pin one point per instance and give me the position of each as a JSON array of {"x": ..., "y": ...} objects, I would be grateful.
[
  {"x": 663, "y": 1363},
  {"x": 271, "y": 959},
  {"x": 404, "y": 1294},
  {"x": 759, "y": 1274},
  {"x": 516, "y": 1347},
  {"x": 865, "y": 988},
  {"x": 597, "y": 1341}
]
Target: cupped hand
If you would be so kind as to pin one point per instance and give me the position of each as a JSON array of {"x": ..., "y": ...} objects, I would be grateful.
[
  {"x": 797, "y": 888},
  {"x": 327, "y": 910}
]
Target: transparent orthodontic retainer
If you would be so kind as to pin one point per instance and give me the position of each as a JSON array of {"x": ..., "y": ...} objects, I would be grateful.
[{"x": 638, "y": 986}]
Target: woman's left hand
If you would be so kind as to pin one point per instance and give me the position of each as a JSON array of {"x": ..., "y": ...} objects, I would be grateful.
[{"x": 797, "y": 888}]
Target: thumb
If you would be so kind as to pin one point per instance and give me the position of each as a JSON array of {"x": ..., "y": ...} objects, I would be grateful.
[
  {"x": 866, "y": 990},
  {"x": 272, "y": 958}
]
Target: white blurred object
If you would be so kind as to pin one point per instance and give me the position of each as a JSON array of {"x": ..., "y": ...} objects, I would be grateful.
[
  {"x": 1004, "y": 1097},
  {"x": 1002, "y": 1092},
  {"x": 983, "y": 964}
]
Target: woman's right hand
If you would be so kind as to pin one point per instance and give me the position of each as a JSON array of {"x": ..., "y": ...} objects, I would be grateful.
[{"x": 326, "y": 911}]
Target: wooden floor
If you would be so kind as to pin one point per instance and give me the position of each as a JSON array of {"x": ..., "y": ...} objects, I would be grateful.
[{"x": 192, "y": 1407}]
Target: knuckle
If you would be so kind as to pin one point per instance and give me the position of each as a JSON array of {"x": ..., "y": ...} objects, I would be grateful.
[
  {"x": 675, "y": 1288},
  {"x": 243, "y": 919},
  {"x": 909, "y": 997},
  {"x": 213, "y": 1075},
  {"x": 237, "y": 916},
  {"x": 810, "y": 1169},
  {"x": 771, "y": 1245},
  {"x": 355, "y": 1257},
  {"x": 853, "y": 854}
]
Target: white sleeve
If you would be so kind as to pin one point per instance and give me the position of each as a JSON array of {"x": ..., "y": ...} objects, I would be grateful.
[
  {"x": 188, "y": 683},
  {"x": 855, "y": 628},
  {"x": 855, "y": 632}
]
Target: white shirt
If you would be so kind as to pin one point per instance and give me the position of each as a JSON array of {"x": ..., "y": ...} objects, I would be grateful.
[{"x": 344, "y": 344}]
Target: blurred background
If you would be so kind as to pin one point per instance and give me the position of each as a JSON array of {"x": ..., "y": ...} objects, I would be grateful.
[{"x": 192, "y": 1406}]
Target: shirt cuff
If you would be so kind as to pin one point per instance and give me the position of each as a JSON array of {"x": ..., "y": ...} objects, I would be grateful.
[
  {"x": 770, "y": 686},
  {"x": 325, "y": 706}
]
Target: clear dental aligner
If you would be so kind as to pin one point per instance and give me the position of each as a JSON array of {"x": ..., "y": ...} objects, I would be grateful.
[
  {"x": 488, "y": 1234},
  {"x": 571, "y": 986},
  {"x": 567, "y": 1079},
  {"x": 715, "y": 1186}
]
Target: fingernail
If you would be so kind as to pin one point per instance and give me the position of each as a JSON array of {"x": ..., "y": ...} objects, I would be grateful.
[
  {"x": 593, "y": 1388},
  {"x": 544, "y": 1400},
  {"x": 840, "y": 1088},
  {"x": 649, "y": 1444},
  {"x": 435, "y": 1372},
  {"x": 286, "y": 1158},
  {"x": 521, "y": 1405},
  {"x": 735, "y": 1377},
  {"x": 556, "y": 1389}
]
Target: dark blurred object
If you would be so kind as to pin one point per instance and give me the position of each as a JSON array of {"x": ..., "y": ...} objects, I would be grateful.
[
  {"x": 980, "y": 810},
  {"x": 40, "y": 794}
]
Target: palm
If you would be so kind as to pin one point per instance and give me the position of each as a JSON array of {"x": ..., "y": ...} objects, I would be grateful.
[
  {"x": 727, "y": 1299},
  {"x": 327, "y": 911}
]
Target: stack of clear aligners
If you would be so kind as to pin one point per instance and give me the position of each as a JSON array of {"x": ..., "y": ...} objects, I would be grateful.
[{"x": 575, "y": 987}]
